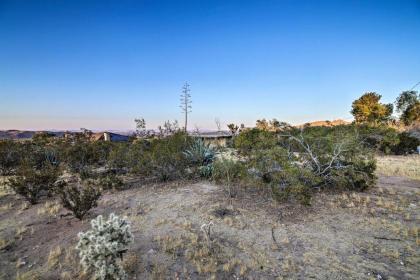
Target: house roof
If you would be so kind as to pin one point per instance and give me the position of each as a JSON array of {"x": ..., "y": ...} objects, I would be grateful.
[{"x": 213, "y": 134}]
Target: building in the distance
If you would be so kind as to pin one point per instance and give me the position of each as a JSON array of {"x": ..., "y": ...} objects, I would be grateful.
[
  {"x": 218, "y": 138},
  {"x": 109, "y": 136}
]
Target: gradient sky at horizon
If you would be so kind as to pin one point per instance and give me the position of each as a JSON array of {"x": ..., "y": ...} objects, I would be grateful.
[{"x": 100, "y": 64}]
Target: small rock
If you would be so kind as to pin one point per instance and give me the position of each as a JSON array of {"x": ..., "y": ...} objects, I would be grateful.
[{"x": 151, "y": 251}]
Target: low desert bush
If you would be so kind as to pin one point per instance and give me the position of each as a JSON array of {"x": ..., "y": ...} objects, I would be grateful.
[
  {"x": 254, "y": 139},
  {"x": 31, "y": 183},
  {"x": 407, "y": 144},
  {"x": 79, "y": 199},
  {"x": 10, "y": 156},
  {"x": 81, "y": 152},
  {"x": 387, "y": 140},
  {"x": 230, "y": 173},
  {"x": 292, "y": 162},
  {"x": 339, "y": 158},
  {"x": 283, "y": 174},
  {"x": 165, "y": 159},
  {"x": 102, "y": 247},
  {"x": 118, "y": 157},
  {"x": 292, "y": 192},
  {"x": 382, "y": 138},
  {"x": 110, "y": 181}
]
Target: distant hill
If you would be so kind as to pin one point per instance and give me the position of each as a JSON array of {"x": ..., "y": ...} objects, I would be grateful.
[
  {"x": 325, "y": 123},
  {"x": 24, "y": 134},
  {"x": 16, "y": 134}
]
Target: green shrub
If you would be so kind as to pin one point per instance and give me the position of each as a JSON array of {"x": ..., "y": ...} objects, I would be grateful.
[
  {"x": 10, "y": 156},
  {"x": 118, "y": 157},
  {"x": 357, "y": 174},
  {"x": 407, "y": 144},
  {"x": 254, "y": 139},
  {"x": 165, "y": 159},
  {"x": 79, "y": 199},
  {"x": 111, "y": 181},
  {"x": 283, "y": 174},
  {"x": 229, "y": 173},
  {"x": 83, "y": 153},
  {"x": 388, "y": 140},
  {"x": 335, "y": 155},
  {"x": 290, "y": 192},
  {"x": 314, "y": 157},
  {"x": 32, "y": 183},
  {"x": 380, "y": 138}
]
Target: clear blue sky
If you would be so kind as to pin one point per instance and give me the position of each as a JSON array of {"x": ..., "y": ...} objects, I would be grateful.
[{"x": 100, "y": 64}]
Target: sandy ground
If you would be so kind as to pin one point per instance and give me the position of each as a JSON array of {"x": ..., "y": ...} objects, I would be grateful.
[{"x": 371, "y": 235}]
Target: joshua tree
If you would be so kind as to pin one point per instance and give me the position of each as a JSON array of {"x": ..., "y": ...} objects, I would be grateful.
[
  {"x": 186, "y": 103},
  {"x": 233, "y": 128}
]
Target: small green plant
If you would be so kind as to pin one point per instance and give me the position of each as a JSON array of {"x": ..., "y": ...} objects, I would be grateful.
[
  {"x": 299, "y": 192},
  {"x": 79, "y": 199},
  {"x": 206, "y": 171},
  {"x": 111, "y": 181},
  {"x": 103, "y": 246},
  {"x": 229, "y": 172}
]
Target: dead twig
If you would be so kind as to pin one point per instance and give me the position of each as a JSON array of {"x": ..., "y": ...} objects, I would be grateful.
[{"x": 386, "y": 238}]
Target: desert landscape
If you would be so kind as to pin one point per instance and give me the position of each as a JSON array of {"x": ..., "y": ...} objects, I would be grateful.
[
  {"x": 369, "y": 235},
  {"x": 210, "y": 139}
]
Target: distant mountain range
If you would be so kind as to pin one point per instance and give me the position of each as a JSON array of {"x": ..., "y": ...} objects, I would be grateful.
[
  {"x": 24, "y": 134},
  {"x": 28, "y": 134}
]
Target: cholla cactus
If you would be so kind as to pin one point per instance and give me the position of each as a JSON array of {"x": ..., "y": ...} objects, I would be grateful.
[{"x": 102, "y": 246}]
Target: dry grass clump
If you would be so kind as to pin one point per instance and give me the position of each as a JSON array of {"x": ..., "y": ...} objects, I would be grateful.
[
  {"x": 54, "y": 257},
  {"x": 29, "y": 275},
  {"x": 49, "y": 208},
  {"x": 405, "y": 166},
  {"x": 202, "y": 251},
  {"x": 4, "y": 189}
]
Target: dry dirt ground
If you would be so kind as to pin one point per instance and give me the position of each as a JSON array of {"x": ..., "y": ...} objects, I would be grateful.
[{"x": 370, "y": 235}]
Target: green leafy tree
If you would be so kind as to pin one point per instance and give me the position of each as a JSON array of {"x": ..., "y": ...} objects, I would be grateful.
[
  {"x": 263, "y": 124},
  {"x": 368, "y": 109},
  {"x": 408, "y": 104}
]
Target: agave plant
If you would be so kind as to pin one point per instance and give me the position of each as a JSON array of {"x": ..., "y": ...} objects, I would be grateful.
[
  {"x": 51, "y": 157},
  {"x": 200, "y": 153}
]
